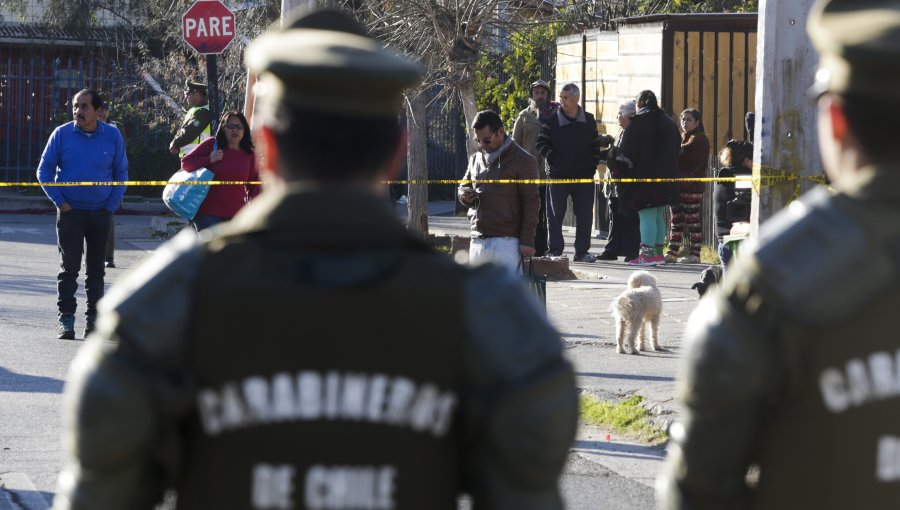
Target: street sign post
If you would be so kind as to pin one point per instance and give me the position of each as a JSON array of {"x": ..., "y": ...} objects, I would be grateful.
[{"x": 208, "y": 26}]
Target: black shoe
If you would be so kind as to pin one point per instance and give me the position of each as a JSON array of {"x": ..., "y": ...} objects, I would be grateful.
[
  {"x": 89, "y": 326},
  {"x": 110, "y": 263},
  {"x": 607, "y": 256},
  {"x": 66, "y": 329},
  {"x": 585, "y": 257}
]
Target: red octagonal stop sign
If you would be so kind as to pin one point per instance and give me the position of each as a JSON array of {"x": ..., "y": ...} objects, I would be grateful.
[{"x": 208, "y": 26}]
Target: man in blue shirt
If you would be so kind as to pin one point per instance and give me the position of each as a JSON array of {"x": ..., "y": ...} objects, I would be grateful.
[{"x": 84, "y": 150}]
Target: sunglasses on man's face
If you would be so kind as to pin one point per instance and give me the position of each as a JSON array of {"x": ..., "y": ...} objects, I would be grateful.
[{"x": 488, "y": 140}]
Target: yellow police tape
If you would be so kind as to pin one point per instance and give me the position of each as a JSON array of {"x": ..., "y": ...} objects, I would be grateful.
[
  {"x": 765, "y": 177},
  {"x": 769, "y": 181}
]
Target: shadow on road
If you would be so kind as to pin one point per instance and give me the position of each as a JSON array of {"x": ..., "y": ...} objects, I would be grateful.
[
  {"x": 631, "y": 377},
  {"x": 23, "y": 383}
]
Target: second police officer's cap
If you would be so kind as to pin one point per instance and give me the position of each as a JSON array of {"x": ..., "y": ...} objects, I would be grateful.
[
  {"x": 191, "y": 86},
  {"x": 324, "y": 62},
  {"x": 859, "y": 46}
]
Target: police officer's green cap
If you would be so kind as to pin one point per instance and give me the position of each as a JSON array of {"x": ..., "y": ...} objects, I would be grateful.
[
  {"x": 325, "y": 62},
  {"x": 193, "y": 85},
  {"x": 859, "y": 46}
]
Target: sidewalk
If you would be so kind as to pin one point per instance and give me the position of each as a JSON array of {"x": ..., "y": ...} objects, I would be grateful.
[{"x": 15, "y": 202}]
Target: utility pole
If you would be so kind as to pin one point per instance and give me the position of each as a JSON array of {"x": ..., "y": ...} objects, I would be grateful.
[
  {"x": 785, "y": 137},
  {"x": 289, "y": 6}
]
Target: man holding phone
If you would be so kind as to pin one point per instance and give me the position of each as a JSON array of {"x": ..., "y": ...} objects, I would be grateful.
[{"x": 503, "y": 216}]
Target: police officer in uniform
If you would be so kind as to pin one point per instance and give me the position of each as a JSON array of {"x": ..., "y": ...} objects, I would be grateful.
[
  {"x": 196, "y": 125},
  {"x": 794, "y": 366},
  {"x": 260, "y": 366}
]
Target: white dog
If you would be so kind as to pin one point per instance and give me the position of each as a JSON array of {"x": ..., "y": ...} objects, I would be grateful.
[{"x": 638, "y": 308}]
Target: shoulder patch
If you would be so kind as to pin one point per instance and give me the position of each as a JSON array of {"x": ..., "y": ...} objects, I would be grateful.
[{"x": 820, "y": 260}]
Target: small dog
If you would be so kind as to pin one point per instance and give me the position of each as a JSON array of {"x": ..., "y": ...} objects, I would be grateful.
[
  {"x": 638, "y": 308},
  {"x": 708, "y": 277}
]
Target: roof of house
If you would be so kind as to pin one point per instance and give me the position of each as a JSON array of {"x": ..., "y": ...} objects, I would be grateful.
[
  {"x": 720, "y": 21},
  {"x": 30, "y": 33}
]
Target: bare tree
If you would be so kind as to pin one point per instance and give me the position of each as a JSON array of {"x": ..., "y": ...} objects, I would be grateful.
[
  {"x": 447, "y": 37},
  {"x": 160, "y": 55}
]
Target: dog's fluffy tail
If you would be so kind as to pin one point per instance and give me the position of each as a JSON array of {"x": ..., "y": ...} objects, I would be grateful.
[{"x": 641, "y": 279}]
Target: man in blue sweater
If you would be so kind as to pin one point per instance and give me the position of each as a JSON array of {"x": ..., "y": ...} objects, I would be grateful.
[{"x": 83, "y": 150}]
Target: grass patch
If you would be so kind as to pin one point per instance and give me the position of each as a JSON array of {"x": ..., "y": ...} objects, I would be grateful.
[
  {"x": 709, "y": 255},
  {"x": 626, "y": 417}
]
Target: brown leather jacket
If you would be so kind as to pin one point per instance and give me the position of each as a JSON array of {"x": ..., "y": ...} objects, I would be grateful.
[{"x": 510, "y": 209}]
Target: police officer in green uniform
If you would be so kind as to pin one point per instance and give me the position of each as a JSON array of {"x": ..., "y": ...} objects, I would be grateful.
[
  {"x": 794, "y": 365},
  {"x": 196, "y": 125},
  {"x": 261, "y": 366}
]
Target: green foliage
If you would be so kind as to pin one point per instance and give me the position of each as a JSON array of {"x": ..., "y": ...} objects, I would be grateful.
[
  {"x": 503, "y": 82},
  {"x": 687, "y": 6},
  {"x": 626, "y": 417}
]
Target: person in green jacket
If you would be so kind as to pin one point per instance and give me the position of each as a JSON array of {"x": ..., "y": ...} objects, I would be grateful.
[{"x": 196, "y": 124}]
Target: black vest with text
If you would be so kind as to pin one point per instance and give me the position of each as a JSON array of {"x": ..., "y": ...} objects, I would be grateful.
[{"x": 326, "y": 379}]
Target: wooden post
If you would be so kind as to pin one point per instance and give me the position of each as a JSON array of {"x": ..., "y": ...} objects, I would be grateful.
[
  {"x": 785, "y": 132},
  {"x": 289, "y": 6}
]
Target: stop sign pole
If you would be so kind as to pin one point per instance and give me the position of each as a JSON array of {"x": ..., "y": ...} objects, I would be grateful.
[{"x": 208, "y": 26}]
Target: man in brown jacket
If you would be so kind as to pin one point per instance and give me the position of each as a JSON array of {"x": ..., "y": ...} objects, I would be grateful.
[{"x": 503, "y": 215}]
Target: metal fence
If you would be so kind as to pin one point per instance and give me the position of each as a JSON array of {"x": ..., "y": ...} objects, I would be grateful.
[
  {"x": 35, "y": 97},
  {"x": 447, "y": 156}
]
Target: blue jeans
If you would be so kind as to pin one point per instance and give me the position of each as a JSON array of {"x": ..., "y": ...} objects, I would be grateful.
[
  {"x": 203, "y": 221},
  {"x": 583, "y": 203},
  {"x": 80, "y": 231},
  {"x": 724, "y": 255}
]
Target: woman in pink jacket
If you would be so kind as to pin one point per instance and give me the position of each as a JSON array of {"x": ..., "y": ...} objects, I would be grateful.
[{"x": 230, "y": 157}]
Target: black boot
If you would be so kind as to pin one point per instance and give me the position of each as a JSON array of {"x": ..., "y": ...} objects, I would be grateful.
[
  {"x": 89, "y": 325},
  {"x": 66, "y": 330}
]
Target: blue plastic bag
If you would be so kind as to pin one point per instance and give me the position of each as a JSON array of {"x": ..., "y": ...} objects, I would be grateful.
[{"x": 184, "y": 199}]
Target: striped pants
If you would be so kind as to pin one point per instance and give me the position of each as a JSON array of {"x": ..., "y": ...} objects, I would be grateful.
[{"x": 686, "y": 220}]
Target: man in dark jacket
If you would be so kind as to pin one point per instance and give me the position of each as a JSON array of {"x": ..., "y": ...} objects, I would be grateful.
[
  {"x": 260, "y": 365},
  {"x": 792, "y": 366},
  {"x": 503, "y": 215},
  {"x": 570, "y": 143}
]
